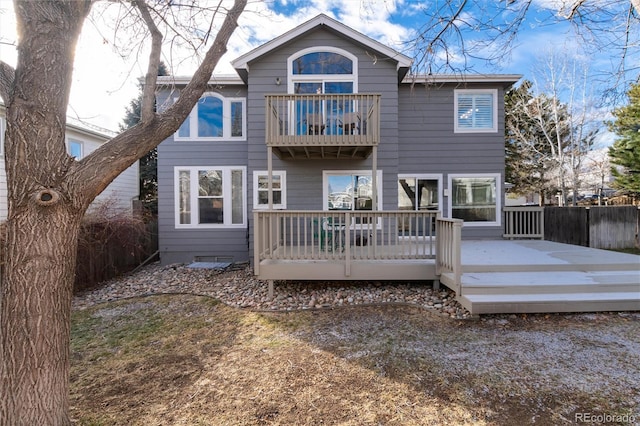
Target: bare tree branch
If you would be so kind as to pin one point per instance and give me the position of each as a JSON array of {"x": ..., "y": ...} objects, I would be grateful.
[
  {"x": 148, "y": 98},
  {"x": 574, "y": 9},
  {"x": 463, "y": 29},
  {"x": 126, "y": 148}
]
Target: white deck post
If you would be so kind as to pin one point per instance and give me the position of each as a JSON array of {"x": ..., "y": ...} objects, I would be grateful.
[{"x": 374, "y": 195}]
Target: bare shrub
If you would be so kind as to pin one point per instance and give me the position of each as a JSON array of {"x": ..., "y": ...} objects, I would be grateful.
[{"x": 112, "y": 241}]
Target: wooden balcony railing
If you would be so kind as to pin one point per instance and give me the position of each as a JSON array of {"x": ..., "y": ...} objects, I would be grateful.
[
  {"x": 524, "y": 222},
  {"x": 322, "y": 120}
]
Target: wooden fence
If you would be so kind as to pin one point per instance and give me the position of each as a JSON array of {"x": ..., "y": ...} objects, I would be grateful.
[
  {"x": 606, "y": 227},
  {"x": 108, "y": 249}
]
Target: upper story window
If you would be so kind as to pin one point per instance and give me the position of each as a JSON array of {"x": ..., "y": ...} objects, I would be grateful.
[
  {"x": 75, "y": 148},
  {"x": 215, "y": 117},
  {"x": 322, "y": 63},
  {"x": 476, "y": 111},
  {"x": 322, "y": 69}
]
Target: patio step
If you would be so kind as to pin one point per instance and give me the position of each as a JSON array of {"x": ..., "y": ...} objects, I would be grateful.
[
  {"x": 543, "y": 276},
  {"x": 564, "y": 291},
  {"x": 551, "y": 267},
  {"x": 550, "y": 282},
  {"x": 556, "y": 302}
]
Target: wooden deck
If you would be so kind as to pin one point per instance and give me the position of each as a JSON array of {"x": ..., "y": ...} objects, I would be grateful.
[
  {"x": 488, "y": 276},
  {"x": 541, "y": 276}
]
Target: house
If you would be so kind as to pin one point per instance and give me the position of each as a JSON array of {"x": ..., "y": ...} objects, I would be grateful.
[
  {"x": 324, "y": 149},
  {"x": 81, "y": 140}
]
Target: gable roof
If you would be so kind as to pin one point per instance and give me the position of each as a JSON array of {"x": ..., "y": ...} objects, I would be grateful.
[{"x": 241, "y": 64}]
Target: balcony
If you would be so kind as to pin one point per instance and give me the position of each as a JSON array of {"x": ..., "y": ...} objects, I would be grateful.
[{"x": 323, "y": 126}]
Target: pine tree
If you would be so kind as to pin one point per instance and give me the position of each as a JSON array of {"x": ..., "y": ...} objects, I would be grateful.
[
  {"x": 624, "y": 154},
  {"x": 148, "y": 165}
]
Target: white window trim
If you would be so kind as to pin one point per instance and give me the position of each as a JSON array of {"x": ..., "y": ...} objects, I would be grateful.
[
  {"x": 226, "y": 121},
  {"x": 226, "y": 191},
  {"x": 283, "y": 189},
  {"x": 325, "y": 186},
  {"x": 79, "y": 142},
  {"x": 300, "y": 78},
  {"x": 493, "y": 92},
  {"x": 325, "y": 192},
  {"x": 425, "y": 176},
  {"x": 497, "y": 177},
  {"x": 2, "y": 130}
]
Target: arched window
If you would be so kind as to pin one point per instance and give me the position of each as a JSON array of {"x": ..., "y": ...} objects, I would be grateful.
[
  {"x": 323, "y": 69},
  {"x": 214, "y": 117}
]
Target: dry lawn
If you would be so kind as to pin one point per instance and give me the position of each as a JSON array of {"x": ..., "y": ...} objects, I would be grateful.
[{"x": 188, "y": 360}]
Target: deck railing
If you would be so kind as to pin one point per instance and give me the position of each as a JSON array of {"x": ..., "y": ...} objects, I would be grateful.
[
  {"x": 286, "y": 235},
  {"x": 351, "y": 119},
  {"x": 448, "y": 251},
  {"x": 524, "y": 222}
]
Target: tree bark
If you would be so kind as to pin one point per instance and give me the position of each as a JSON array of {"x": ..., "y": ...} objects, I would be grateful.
[
  {"x": 49, "y": 192},
  {"x": 42, "y": 225}
]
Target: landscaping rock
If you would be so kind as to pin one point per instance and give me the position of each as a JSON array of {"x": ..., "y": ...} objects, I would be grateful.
[{"x": 238, "y": 287}]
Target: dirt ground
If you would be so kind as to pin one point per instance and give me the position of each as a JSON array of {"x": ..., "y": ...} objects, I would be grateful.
[{"x": 189, "y": 360}]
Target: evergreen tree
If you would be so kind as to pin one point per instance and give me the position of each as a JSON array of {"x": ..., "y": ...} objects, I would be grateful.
[
  {"x": 624, "y": 154},
  {"x": 148, "y": 165}
]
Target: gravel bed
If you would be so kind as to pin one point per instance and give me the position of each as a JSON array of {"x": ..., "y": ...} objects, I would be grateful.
[{"x": 238, "y": 287}]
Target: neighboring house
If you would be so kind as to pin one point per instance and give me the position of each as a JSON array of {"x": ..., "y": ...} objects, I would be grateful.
[
  {"x": 81, "y": 140},
  {"x": 338, "y": 123}
]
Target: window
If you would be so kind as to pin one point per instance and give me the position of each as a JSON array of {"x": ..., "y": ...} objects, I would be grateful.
[
  {"x": 261, "y": 189},
  {"x": 75, "y": 148},
  {"x": 419, "y": 192},
  {"x": 345, "y": 190},
  {"x": 321, "y": 70},
  {"x": 210, "y": 197},
  {"x": 214, "y": 117},
  {"x": 326, "y": 61},
  {"x": 476, "y": 111},
  {"x": 475, "y": 198}
]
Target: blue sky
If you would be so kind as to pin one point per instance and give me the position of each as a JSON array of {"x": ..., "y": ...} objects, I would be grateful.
[{"x": 105, "y": 82}]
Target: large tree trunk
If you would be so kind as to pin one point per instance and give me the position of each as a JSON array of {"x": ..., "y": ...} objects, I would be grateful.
[
  {"x": 36, "y": 304},
  {"x": 43, "y": 219},
  {"x": 49, "y": 192}
]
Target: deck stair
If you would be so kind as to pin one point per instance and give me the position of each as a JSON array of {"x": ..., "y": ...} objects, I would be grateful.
[{"x": 542, "y": 276}]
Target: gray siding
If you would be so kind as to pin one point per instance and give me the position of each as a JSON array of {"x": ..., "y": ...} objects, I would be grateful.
[
  {"x": 428, "y": 143},
  {"x": 178, "y": 245},
  {"x": 304, "y": 177},
  {"x": 417, "y": 137}
]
